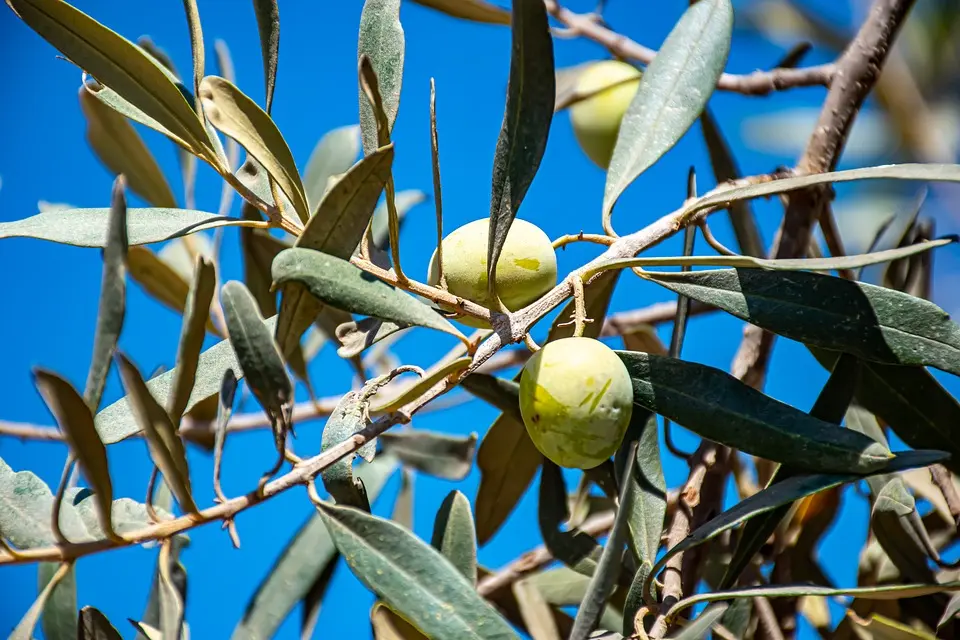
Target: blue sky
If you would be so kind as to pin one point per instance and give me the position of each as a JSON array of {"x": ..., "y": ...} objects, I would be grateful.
[{"x": 50, "y": 291}]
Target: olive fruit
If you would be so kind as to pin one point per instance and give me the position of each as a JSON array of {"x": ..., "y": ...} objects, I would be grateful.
[
  {"x": 596, "y": 120},
  {"x": 526, "y": 270},
  {"x": 576, "y": 399}
]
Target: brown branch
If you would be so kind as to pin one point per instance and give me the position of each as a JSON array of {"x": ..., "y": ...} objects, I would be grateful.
[
  {"x": 944, "y": 481},
  {"x": 758, "y": 83}
]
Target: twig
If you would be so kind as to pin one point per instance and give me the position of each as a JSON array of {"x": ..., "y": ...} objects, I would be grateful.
[
  {"x": 758, "y": 83},
  {"x": 944, "y": 481}
]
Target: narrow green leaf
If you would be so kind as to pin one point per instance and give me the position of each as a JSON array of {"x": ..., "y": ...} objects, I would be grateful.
[
  {"x": 165, "y": 446},
  {"x": 256, "y": 351},
  {"x": 149, "y": 628},
  {"x": 874, "y": 323},
  {"x": 225, "y": 68},
  {"x": 574, "y": 548},
  {"x": 703, "y": 623},
  {"x": 453, "y": 534},
  {"x": 885, "y": 592},
  {"x": 403, "y": 505},
  {"x": 436, "y": 454},
  {"x": 158, "y": 278},
  {"x": 724, "y": 169},
  {"x": 334, "y": 154},
  {"x": 526, "y": 122},
  {"x": 649, "y": 506},
  {"x": 255, "y": 177},
  {"x": 268, "y": 22},
  {"x": 95, "y": 626},
  {"x": 412, "y": 577},
  {"x": 673, "y": 91},
  {"x": 192, "y": 333},
  {"x": 474, "y": 10},
  {"x": 608, "y": 568},
  {"x": 535, "y": 611},
  {"x": 113, "y": 294},
  {"x": 116, "y": 422},
  {"x": 717, "y": 406},
  {"x": 26, "y": 504},
  {"x": 790, "y": 490},
  {"x": 170, "y": 598},
  {"x": 340, "y": 284},
  {"x": 381, "y": 39},
  {"x": 379, "y": 225},
  {"x": 76, "y": 422},
  {"x": 88, "y": 227},
  {"x": 24, "y": 629},
  {"x": 117, "y": 63},
  {"x": 335, "y": 229},
  {"x": 196, "y": 47},
  {"x": 919, "y": 410},
  {"x": 301, "y": 562},
  {"x": 411, "y": 392},
  {"x": 564, "y": 587},
  {"x": 501, "y": 393},
  {"x": 933, "y": 172},
  {"x": 59, "y": 618},
  {"x": 122, "y": 151},
  {"x": 236, "y": 115}
]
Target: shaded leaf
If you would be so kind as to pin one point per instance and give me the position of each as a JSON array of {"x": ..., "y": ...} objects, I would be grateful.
[
  {"x": 192, "y": 333},
  {"x": 88, "y": 227},
  {"x": 501, "y": 393},
  {"x": 158, "y": 278},
  {"x": 475, "y": 10},
  {"x": 412, "y": 577},
  {"x": 116, "y": 422},
  {"x": 387, "y": 624},
  {"x": 95, "y": 626},
  {"x": 355, "y": 336},
  {"x": 790, "y": 490},
  {"x": 531, "y": 91},
  {"x": 673, "y": 91},
  {"x": 300, "y": 563},
  {"x": 113, "y": 297},
  {"x": 170, "y": 599},
  {"x": 717, "y": 406},
  {"x": 379, "y": 225},
  {"x": 874, "y": 323},
  {"x": 24, "y": 629},
  {"x": 436, "y": 454},
  {"x": 122, "y": 151},
  {"x": 166, "y": 448},
  {"x": 236, "y": 115},
  {"x": 59, "y": 618},
  {"x": 117, "y": 63},
  {"x": 381, "y": 40},
  {"x": 336, "y": 229},
  {"x": 701, "y": 626},
  {"x": 76, "y": 422},
  {"x": 453, "y": 534},
  {"x": 536, "y": 612},
  {"x": 576, "y": 549},
  {"x": 334, "y": 154},
  {"x": 649, "y": 505},
  {"x": 950, "y": 612},
  {"x": 268, "y": 22},
  {"x": 257, "y": 352},
  {"x": 340, "y": 284}
]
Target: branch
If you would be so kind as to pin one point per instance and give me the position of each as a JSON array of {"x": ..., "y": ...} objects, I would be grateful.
[{"x": 758, "y": 83}]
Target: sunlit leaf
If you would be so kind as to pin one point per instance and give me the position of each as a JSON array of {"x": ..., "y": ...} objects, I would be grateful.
[
  {"x": 95, "y": 626},
  {"x": 26, "y": 504},
  {"x": 88, "y": 227},
  {"x": 381, "y": 40},
  {"x": 526, "y": 122},
  {"x": 673, "y": 91},
  {"x": 701, "y": 626},
  {"x": 195, "y": 317},
  {"x": 475, "y": 10},
  {"x": 411, "y": 576},
  {"x": 268, "y": 22}
]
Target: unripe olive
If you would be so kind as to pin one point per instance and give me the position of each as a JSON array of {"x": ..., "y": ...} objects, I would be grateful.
[
  {"x": 576, "y": 399},
  {"x": 526, "y": 270},
  {"x": 596, "y": 120}
]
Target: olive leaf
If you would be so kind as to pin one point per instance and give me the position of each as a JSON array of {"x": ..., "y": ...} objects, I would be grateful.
[
  {"x": 576, "y": 549},
  {"x": 412, "y": 577},
  {"x": 453, "y": 534},
  {"x": 195, "y": 317},
  {"x": 26, "y": 504},
  {"x": 301, "y": 563},
  {"x": 673, "y": 91},
  {"x": 335, "y": 153},
  {"x": 88, "y": 227},
  {"x": 24, "y": 629},
  {"x": 118, "y": 64},
  {"x": 95, "y": 626},
  {"x": 166, "y": 448},
  {"x": 474, "y": 10},
  {"x": 268, "y": 23},
  {"x": 526, "y": 122},
  {"x": 875, "y": 323},
  {"x": 436, "y": 454},
  {"x": 340, "y": 284},
  {"x": 717, "y": 406},
  {"x": 59, "y": 617},
  {"x": 381, "y": 40},
  {"x": 236, "y": 115},
  {"x": 122, "y": 151}
]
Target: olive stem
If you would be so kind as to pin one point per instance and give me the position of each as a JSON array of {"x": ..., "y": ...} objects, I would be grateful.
[
  {"x": 570, "y": 238},
  {"x": 580, "y": 308}
]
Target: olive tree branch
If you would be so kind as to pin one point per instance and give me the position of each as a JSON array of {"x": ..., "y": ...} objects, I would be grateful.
[{"x": 758, "y": 83}]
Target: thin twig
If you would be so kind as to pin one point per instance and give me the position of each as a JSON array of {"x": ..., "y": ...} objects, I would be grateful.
[{"x": 944, "y": 481}]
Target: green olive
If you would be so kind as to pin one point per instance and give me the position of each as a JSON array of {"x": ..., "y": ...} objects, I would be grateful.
[
  {"x": 526, "y": 270},
  {"x": 596, "y": 120},
  {"x": 576, "y": 399}
]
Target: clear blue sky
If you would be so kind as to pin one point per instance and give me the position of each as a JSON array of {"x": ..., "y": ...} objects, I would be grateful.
[{"x": 50, "y": 291}]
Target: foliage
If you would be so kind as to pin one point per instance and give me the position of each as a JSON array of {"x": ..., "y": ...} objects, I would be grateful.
[{"x": 322, "y": 263}]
